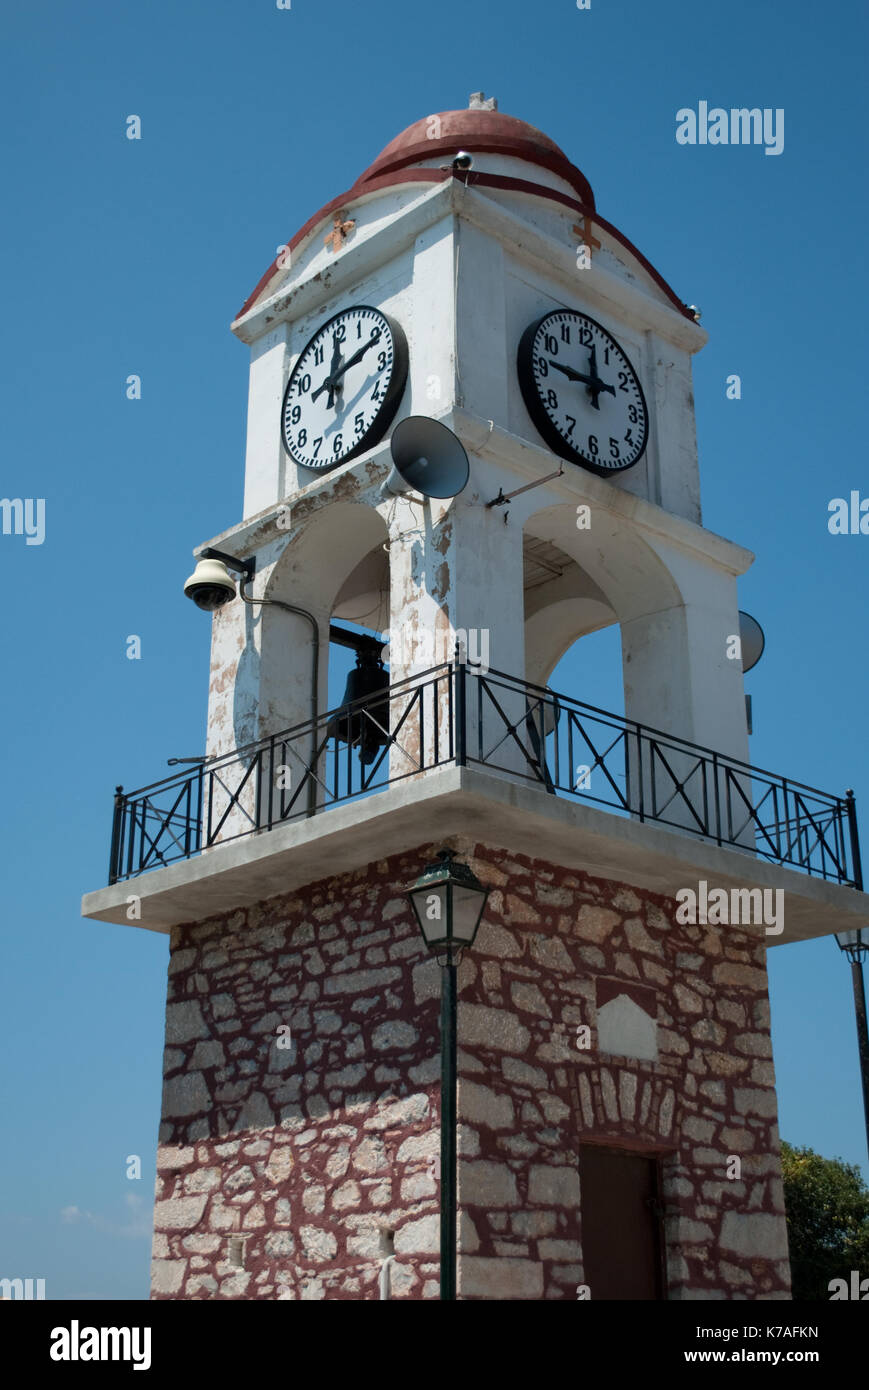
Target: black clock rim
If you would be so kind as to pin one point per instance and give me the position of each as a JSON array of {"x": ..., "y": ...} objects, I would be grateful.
[
  {"x": 385, "y": 415},
  {"x": 544, "y": 426}
]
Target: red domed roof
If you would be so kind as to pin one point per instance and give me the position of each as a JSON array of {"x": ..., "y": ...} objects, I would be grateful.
[{"x": 478, "y": 132}]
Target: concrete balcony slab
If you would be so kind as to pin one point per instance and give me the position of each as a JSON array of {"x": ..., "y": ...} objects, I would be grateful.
[{"x": 496, "y": 810}]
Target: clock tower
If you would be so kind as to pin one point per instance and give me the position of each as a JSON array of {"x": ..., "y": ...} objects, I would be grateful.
[{"x": 617, "y": 1118}]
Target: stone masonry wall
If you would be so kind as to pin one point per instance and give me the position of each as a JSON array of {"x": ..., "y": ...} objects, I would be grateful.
[{"x": 292, "y": 1172}]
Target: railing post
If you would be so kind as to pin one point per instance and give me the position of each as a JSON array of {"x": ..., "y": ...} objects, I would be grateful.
[
  {"x": 130, "y": 825},
  {"x": 188, "y": 819},
  {"x": 140, "y": 825},
  {"x": 786, "y": 821},
  {"x": 856, "y": 864},
  {"x": 200, "y": 773},
  {"x": 717, "y": 797},
  {"x": 461, "y": 714},
  {"x": 117, "y": 824},
  {"x": 311, "y": 773}
]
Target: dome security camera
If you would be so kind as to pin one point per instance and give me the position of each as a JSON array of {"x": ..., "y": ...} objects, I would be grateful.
[
  {"x": 463, "y": 160},
  {"x": 210, "y": 586}
]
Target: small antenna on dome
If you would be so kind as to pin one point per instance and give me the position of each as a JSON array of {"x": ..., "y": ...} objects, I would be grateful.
[{"x": 479, "y": 102}]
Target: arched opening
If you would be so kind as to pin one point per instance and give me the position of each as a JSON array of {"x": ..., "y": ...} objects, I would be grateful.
[
  {"x": 361, "y": 607},
  {"x": 335, "y": 569},
  {"x": 573, "y": 648},
  {"x": 572, "y": 633},
  {"x": 605, "y": 633}
]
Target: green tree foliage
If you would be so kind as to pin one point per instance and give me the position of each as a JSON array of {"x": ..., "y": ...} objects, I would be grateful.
[{"x": 827, "y": 1207}]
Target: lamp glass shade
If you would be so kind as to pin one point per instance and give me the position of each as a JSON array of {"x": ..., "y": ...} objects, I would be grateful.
[
  {"x": 448, "y": 902},
  {"x": 468, "y": 904},
  {"x": 849, "y": 939},
  {"x": 430, "y": 906}
]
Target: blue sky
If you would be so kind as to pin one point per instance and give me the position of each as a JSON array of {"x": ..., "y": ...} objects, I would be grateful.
[{"x": 132, "y": 257}]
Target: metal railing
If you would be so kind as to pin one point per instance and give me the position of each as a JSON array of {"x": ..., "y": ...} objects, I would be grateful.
[{"x": 461, "y": 714}]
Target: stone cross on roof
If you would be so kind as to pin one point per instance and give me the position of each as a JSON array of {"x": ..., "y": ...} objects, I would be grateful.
[
  {"x": 479, "y": 102},
  {"x": 339, "y": 233}
]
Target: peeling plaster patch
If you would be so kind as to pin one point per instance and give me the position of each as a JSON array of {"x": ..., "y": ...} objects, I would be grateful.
[
  {"x": 417, "y": 571},
  {"x": 441, "y": 583},
  {"x": 443, "y": 536}
]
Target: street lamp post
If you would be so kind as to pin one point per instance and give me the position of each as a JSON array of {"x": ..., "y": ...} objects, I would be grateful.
[
  {"x": 855, "y": 945},
  {"x": 448, "y": 902}
]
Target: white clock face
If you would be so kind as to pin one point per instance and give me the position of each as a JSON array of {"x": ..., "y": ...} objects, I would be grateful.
[
  {"x": 345, "y": 388},
  {"x": 582, "y": 392}
]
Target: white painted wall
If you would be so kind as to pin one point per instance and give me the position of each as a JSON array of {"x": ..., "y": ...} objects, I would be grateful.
[{"x": 464, "y": 270}]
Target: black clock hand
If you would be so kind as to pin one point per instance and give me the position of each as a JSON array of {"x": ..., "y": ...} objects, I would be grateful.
[
  {"x": 594, "y": 383},
  {"x": 337, "y": 369},
  {"x": 570, "y": 373},
  {"x": 329, "y": 382},
  {"x": 593, "y": 388},
  {"x": 351, "y": 361},
  {"x": 597, "y": 384},
  {"x": 328, "y": 385}
]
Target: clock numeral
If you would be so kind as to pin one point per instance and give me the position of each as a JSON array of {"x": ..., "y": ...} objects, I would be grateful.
[
  {"x": 629, "y": 438},
  {"x": 375, "y": 394},
  {"x": 317, "y": 442},
  {"x": 295, "y": 414},
  {"x": 551, "y": 399},
  {"x": 614, "y": 448},
  {"x": 358, "y": 328},
  {"x": 592, "y": 445},
  {"x": 585, "y": 335},
  {"x": 304, "y": 384},
  {"x": 381, "y": 361},
  {"x": 633, "y": 414},
  {"x": 571, "y": 424},
  {"x": 551, "y": 345},
  {"x": 338, "y": 444},
  {"x": 318, "y": 355},
  {"x": 606, "y": 357},
  {"x": 302, "y": 439},
  {"x": 359, "y": 422},
  {"x": 565, "y": 332},
  {"x": 623, "y": 381},
  {"x": 543, "y": 366},
  {"x": 339, "y": 333}
]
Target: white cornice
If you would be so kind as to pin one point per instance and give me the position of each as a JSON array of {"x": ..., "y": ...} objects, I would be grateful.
[{"x": 486, "y": 210}]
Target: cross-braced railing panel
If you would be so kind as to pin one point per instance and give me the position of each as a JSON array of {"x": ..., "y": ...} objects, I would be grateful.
[
  {"x": 458, "y": 713},
  {"x": 576, "y": 750}
]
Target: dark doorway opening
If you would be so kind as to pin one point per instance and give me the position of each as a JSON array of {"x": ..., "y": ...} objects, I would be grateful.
[{"x": 622, "y": 1234}]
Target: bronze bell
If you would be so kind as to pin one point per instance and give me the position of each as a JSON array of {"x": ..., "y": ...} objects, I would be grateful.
[{"x": 370, "y": 730}]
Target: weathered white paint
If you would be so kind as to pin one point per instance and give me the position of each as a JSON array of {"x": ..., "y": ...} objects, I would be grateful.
[
  {"x": 464, "y": 269},
  {"x": 265, "y": 456}
]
